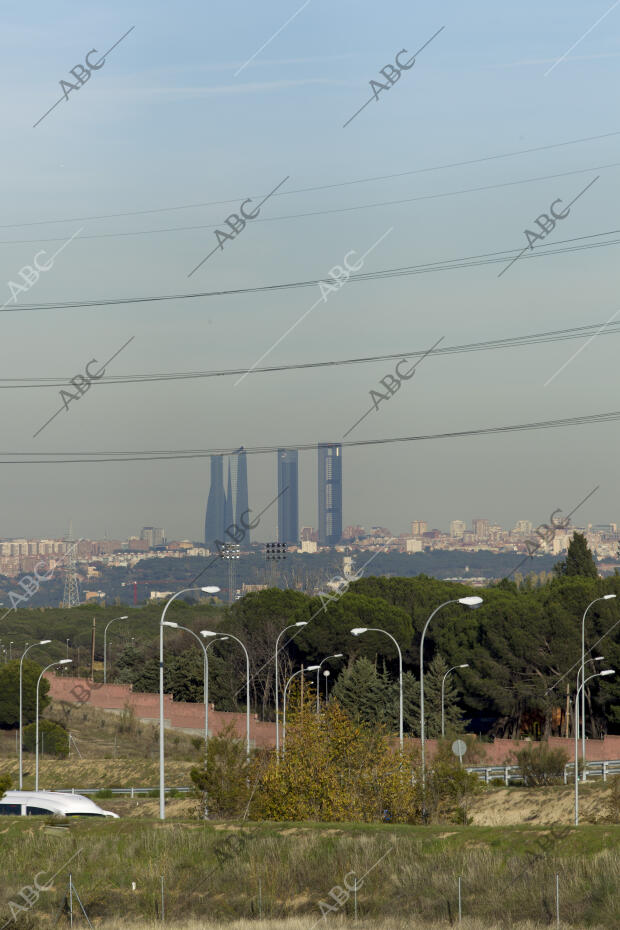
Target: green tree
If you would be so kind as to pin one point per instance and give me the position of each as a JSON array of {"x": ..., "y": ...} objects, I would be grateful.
[
  {"x": 6, "y": 783},
  {"x": 579, "y": 559},
  {"x": 223, "y": 779},
  {"x": 432, "y": 699},
  {"x": 365, "y": 694},
  {"x": 9, "y": 693},
  {"x": 53, "y": 739}
]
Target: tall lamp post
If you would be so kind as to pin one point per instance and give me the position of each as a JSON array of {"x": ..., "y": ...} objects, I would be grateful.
[
  {"x": 311, "y": 668},
  {"x": 206, "y": 633},
  {"x": 280, "y": 634},
  {"x": 607, "y": 671},
  {"x": 326, "y": 674},
  {"x": 357, "y": 631},
  {"x": 42, "y": 642},
  {"x": 162, "y": 797},
  {"x": 36, "y": 728},
  {"x": 467, "y": 602},
  {"x": 105, "y": 634},
  {"x": 443, "y": 694},
  {"x": 205, "y": 670},
  {"x": 336, "y": 655},
  {"x": 605, "y": 597}
]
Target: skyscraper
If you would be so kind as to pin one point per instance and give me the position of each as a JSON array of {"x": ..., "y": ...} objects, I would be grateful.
[
  {"x": 215, "y": 524},
  {"x": 288, "y": 496},
  {"x": 238, "y": 491},
  {"x": 330, "y": 493}
]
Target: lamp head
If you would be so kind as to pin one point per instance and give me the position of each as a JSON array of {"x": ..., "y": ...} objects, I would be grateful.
[
  {"x": 312, "y": 668},
  {"x": 222, "y": 638},
  {"x": 470, "y": 601},
  {"x": 608, "y": 597},
  {"x": 207, "y": 633},
  {"x": 210, "y": 589},
  {"x": 171, "y": 623},
  {"x": 65, "y": 661},
  {"x": 466, "y": 665},
  {"x": 337, "y": 655},
  {"x": 598, "y": 658},
  {"x": 607, "y": 671},
  {"x": 326, "y": 673},
  {"x": 123, "y": 618},
  {"x": 301, "y": 623},
  {"x": 358, "y": 630},
  {"x": 44, "y": 642}
]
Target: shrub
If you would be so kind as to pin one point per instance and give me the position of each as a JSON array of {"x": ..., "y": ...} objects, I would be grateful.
[
  {"x": 5, "y": 784},
  {"x": 53, "y": 739},
  {"x": 541, "y": 765}
]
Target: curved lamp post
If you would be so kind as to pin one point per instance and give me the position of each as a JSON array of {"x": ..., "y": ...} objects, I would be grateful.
[
  {"x": 357, "y": 631},
  {"x": 607, "y": 671},
  {"x": 205, "y": 669},
  {"x": 36, "y": 737},
  {"x": 605, "y": 597},
  {"x": 443, "y": 693},
  {"x": 281, "y": 633},
  {"x": 336, "y": 655},
  {"x": 105, "y": 634},
  {"x": 206, "y": 633},
  {"x": 42, "y": 642},
  {"x": 211, "y": 589},
  {"x": 467, "y": 602},
  {"x": 311, "y": 668},
  {"x": 326, "y": 675}
]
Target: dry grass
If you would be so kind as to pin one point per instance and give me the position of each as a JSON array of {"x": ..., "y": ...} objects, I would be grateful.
[{"x": 334, "y": 923}]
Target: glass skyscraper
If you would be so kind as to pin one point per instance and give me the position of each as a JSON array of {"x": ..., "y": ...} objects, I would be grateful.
[
  {"x": 288, "y": 496},
  {"x": 225, "y": 508},
  {"x": 330, "y": 493},
  {"x": 215, "y": 524}
]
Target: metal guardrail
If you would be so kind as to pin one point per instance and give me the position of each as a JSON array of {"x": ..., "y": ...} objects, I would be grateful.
[
  {"x": 132, "y": 792},
  {"x": 512, "y": 773}
]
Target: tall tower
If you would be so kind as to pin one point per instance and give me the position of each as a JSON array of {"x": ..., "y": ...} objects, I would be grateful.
[
  {"x": 71, "y": 596},
  {"x": 214, "y": 520},
  {"x": 288, "y": 496},
  {"x": 330, "y": 493},
  {"x": 238, "y": 490}
]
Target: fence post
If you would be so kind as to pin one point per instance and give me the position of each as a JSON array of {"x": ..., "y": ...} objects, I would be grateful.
[
  {"x": 132, "y": 792},
  {"x": 557, "y": 899},
  {"x": 162, "y": 897},
  {"x": 565, "y": 776},
  {"x": 460, "y": 911},
  {"x": 506, "y": 775},
  {"x": 605, "y": 770}
]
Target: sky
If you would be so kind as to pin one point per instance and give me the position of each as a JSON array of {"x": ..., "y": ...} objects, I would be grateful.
[{"x": 202, "y": 106}]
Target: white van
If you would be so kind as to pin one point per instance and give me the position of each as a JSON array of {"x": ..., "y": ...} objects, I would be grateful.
[{"x": 51, "y": 804}]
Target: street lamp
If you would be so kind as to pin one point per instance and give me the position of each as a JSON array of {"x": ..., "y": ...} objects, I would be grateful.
[
  {"x": 357, "y": 631},
  {"x": 205, "y": 669},
  {"x": 105, "y": 633},
  {"x": 605, "y": 597},
  {"x": 311, "y": 668},
  {"x": 467, "y": 602},
  {"x": 443, "y": 692},
  {"x": 326, "y": 675},
  {"x": 607, "y": 671},
  {"x": 206, "y": 633},
  {"x": 42, "y": 642},
  {"x": 162, "y": 799},
  {"x": 336, "y": 655},
  {"x": 281, "y": 633},
  {"x": 577, "y": 723},
  {"x": 36, "y": 737}
]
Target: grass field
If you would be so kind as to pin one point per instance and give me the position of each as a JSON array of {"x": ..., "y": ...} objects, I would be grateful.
[{"x": 284, "y": 871}]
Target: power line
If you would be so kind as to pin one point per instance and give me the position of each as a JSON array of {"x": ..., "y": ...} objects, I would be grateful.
[
  {"x": 320, "y": 187},
  {"x": 36, "y": 458},
  {"x": 329, "y": 212},
  {"x": 471, "y": 261},
  {"x": 509, "y": 342}
]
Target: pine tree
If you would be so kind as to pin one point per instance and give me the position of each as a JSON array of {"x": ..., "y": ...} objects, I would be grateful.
[
  {"x": 579, "y": 559},
  {"x": 365, "y": 694},
  {"x": 432, "y": 700}
]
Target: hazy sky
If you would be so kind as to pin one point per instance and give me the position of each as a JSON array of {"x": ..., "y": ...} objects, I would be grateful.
[{"x": 169, "y": 121}]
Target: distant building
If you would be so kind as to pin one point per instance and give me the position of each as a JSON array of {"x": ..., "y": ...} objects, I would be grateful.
[
  {"x": 237, "y": 502},
  {"x": 309, "y": 545},
  {"x": 308, "y": 533},
  {"x": 330, "y": 493},
  {"x": 414, "y": 545},
  {"x": 457, "y": 528},
  {"x": 419, "y": 527},
  {"x": 288, "y": 495},
  {"x": 160, "y": 595},
  {"x": 480, "y": 528},
  {"x": 216, "y": 503},
  {"x": 523, "y": 527},
  {"x": 153, "y": 536}
]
